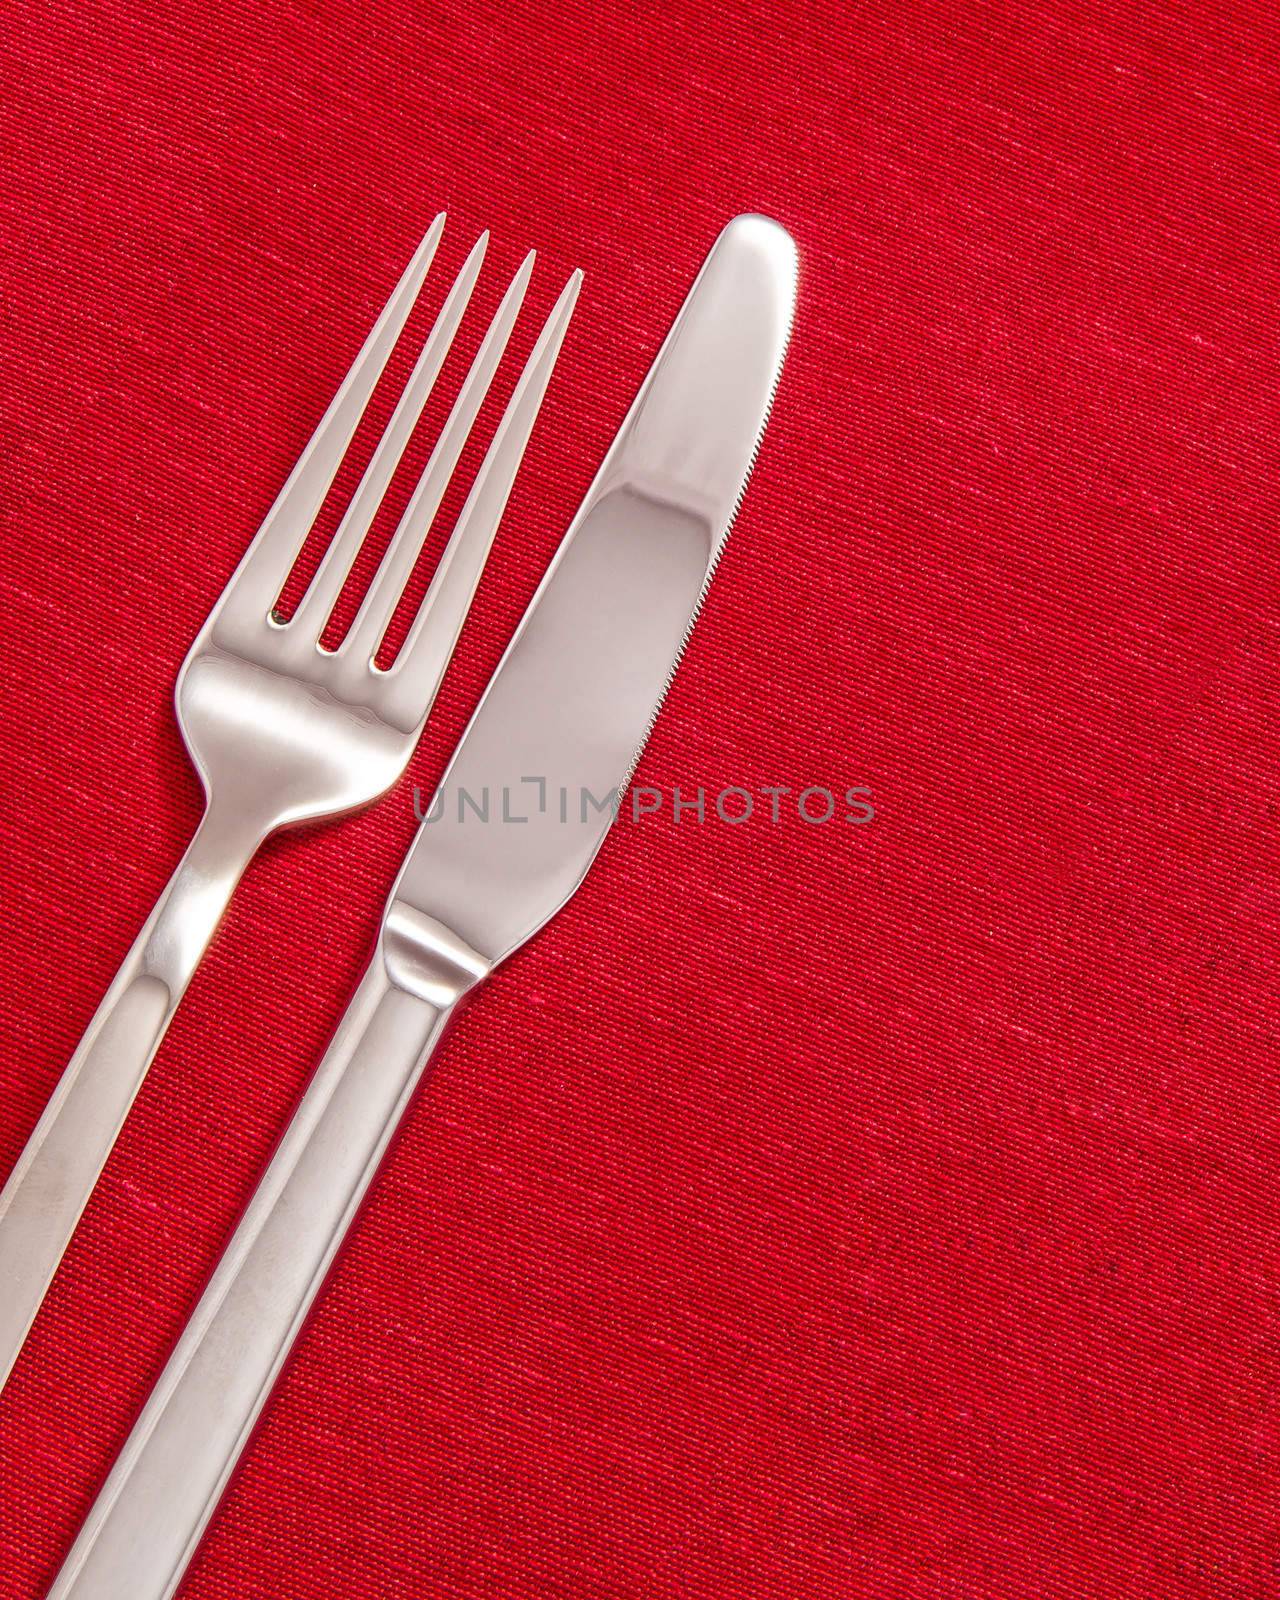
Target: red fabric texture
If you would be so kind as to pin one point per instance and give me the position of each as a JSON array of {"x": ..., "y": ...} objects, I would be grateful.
[{"x": 813, "y": 1211}]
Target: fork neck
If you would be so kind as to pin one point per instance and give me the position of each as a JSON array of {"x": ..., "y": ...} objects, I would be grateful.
[{"x": 188, "y": 911}]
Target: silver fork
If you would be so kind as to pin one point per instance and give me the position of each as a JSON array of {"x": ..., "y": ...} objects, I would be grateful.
[{"x": 283, "y": 730}]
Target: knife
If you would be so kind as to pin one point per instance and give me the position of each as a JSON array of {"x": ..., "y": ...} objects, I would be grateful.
[{"x": 564, "y": 720}]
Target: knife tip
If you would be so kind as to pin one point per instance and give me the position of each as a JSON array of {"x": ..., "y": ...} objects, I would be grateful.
[{"x": 762, "y": 234}]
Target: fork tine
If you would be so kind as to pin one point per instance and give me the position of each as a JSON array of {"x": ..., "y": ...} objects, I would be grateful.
[
  {"x": 268, "y": 560},
  {"x": 397, "y": 564},
  {"x": 429, "y": 645},
  {"x": 313, "y": 609}
]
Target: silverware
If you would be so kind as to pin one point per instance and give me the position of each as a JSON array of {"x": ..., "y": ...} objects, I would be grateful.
[
  {"x": 570, "y": 705},
  {"x": 282, "y": 730}
]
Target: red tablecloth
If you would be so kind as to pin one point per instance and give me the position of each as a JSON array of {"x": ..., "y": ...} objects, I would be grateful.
[{"x": 811, "y": 1211}]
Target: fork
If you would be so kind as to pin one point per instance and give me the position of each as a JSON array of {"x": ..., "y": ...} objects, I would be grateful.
[{"x": 283, "y": 729}]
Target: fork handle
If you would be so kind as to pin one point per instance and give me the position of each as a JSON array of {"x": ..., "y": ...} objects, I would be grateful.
[
  {"x": 168, "y": 1478},
  {"x": 47, "y": 1190}
]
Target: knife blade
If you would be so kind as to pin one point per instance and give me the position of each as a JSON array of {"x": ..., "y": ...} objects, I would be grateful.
[{"x": 569, "y": 707}]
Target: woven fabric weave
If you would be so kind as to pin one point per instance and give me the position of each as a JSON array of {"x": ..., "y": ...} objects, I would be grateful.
[{"x": 814, "y": 1211}]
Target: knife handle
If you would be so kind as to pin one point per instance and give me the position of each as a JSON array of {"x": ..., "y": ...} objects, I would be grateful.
[
  {"x": 168, "y": 1478},
  {"x": 49, "y": 1187}
]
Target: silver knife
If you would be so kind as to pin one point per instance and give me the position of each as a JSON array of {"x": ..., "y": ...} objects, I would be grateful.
[{"x": 564, "y": 719}]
